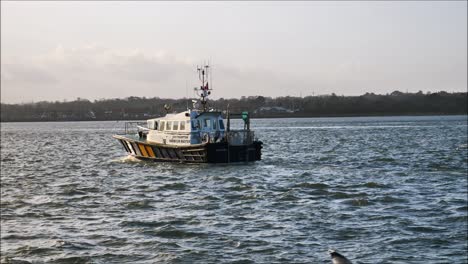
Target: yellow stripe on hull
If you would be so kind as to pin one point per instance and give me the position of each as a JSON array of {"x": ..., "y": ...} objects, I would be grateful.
[
  {"x": 150, "y": 151},
  {"x": 142, "y": 150}
]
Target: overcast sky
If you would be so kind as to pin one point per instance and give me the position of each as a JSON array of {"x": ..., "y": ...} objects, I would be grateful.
[{"x": 64, "y": 50}]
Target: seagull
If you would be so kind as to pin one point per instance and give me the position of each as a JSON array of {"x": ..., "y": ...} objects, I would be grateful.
[{"x": 337, "y": 258}]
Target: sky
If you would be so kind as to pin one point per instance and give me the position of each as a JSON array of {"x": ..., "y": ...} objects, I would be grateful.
[{"x": 101, "y": 49}]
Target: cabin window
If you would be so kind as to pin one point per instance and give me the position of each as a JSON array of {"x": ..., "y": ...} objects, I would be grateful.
[
  {"x": 207, "y": 123},
  {"x": 150, "y": 124},
  {"x": 221, "y": 124},
  {"x": 214, "y": 124},
  {"x": 194, "y": 125},
  {"x": 182, "y": 125},
  {"x": 161, "y": 127},
  {"x": 168, "y": 125},
  {"x": 175, "y": 125}
]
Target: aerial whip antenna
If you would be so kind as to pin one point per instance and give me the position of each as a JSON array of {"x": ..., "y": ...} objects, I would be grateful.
[{"x": 204, "y": 90}]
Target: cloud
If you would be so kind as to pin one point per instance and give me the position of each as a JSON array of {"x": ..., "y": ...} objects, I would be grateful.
[
  {"x": 102, "y": 63},
  {"x": 93, "y": 72},
  {"x": 24, "y": 73},
  {"x": 20, "y": 81},
  {"x": 90, "y": 72}
]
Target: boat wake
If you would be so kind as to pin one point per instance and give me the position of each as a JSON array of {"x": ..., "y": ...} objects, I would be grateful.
[{"x": 126, "y": 159}]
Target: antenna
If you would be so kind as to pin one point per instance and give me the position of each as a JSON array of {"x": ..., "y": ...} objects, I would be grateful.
[
  {"x": 211, "y": 75},
  {"x": 203, "y": 91}
]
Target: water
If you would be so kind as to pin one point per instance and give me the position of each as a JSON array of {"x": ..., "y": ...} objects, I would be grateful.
[{"x": 377, "y": 189}]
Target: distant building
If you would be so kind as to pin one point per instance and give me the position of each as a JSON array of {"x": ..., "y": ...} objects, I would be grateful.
[{"x": 273, "y": 110}]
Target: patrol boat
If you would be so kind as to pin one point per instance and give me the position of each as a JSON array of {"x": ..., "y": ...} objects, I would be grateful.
[{"x": 197, "y": 135}]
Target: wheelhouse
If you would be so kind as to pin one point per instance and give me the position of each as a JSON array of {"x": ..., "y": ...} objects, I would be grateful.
[{"x": 186, "y": 128}]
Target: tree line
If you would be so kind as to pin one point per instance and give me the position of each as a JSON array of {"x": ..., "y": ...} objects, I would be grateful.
[{"x": 139, "y": 108}]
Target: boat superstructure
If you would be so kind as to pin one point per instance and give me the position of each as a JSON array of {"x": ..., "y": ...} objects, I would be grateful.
[{"x": 195, "y": 135}]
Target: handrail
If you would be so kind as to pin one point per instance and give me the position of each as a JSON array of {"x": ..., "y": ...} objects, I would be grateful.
[
  {"x": 244, "y": 115},
  {"x": 131, "y": 127},
  {"x": 240, "y": 137}
]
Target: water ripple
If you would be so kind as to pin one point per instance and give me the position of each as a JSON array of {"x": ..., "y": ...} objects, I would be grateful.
[{"x": 378, "y": 189}]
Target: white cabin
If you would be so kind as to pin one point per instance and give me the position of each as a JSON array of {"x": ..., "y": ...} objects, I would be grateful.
[{"x": 186, "y": 128}]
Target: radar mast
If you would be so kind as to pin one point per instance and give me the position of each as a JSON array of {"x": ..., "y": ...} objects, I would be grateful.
[{"x": 204, "y": 90}]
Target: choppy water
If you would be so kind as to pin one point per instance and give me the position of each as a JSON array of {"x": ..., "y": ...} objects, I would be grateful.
[{"x": 379, "y": 190}]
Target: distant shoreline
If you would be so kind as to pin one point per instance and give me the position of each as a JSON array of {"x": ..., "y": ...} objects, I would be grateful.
[
  {"x": 141, "y": 108},
  {"x": 253, "y": 117}
]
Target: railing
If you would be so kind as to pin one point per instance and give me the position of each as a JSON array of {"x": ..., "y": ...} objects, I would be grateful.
[
  {"x": 131, "y": 127},
  {"x": 240, "y": 137}
]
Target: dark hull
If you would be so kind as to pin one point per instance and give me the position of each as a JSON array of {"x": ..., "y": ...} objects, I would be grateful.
[
  {"x": 203, "y": 153},
  {"x": 224, "y": 153}
]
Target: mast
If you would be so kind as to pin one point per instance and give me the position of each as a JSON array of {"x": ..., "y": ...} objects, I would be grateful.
[{"x": 204, "y": 90}]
